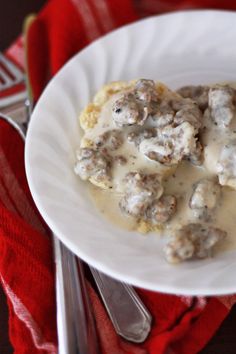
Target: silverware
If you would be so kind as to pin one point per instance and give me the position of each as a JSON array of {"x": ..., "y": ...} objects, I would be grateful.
[
  {"x": 78, "y": 334},
  {"x": 78, "y": 330},
  {"x": 131, "y": 319},
  {"x": 129, "y": 316},
  {"x": 78, "y": 327}
]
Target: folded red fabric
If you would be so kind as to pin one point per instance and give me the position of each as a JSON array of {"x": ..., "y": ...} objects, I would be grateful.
[
  {"x": 16, "y": 56},
  {"x": 26, "y": 263},
  {"x": 64, "y": 27},
  {"x": 181, "y": 325}
]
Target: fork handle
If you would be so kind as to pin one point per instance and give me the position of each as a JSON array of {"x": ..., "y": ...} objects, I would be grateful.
[{"x": 128, "y": 314}]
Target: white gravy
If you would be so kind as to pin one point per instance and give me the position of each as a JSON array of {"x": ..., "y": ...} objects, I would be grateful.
[
  {"x": 178, "y": 182},
  {"x": 136, "y": 161}
]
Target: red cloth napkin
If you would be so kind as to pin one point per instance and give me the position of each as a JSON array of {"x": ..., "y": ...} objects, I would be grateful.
[
  {"x": 16, "y": 55},
  {"x": 182, "y": 325},
  {"x": 26, "y": 262}
]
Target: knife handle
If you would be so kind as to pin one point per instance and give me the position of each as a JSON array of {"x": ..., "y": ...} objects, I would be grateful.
[{"x": 128, "y": 314}]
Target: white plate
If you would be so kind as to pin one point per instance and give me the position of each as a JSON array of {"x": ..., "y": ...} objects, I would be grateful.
[{"x": 179, "y": 48}]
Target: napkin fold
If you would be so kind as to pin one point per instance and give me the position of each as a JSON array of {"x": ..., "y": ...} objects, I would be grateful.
[
  {"x": 16, "y": 55},
  {"x": 181, "y": 325},
  {"x": 26, "y": 262}
]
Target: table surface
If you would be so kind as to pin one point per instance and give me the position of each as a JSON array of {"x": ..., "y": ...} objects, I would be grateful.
[{"x": 11, "y": 19}]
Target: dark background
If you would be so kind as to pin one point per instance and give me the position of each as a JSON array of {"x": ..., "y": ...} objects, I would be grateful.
[{"x": 12, "y": 14}]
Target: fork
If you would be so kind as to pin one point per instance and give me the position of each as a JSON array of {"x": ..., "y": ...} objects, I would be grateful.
[
  {"x": 71, "y": 292},
  {"x": 80, "y": 335}
]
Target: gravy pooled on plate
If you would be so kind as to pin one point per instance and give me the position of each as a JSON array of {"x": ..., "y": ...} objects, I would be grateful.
[{"x": 163, "y": 160}]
